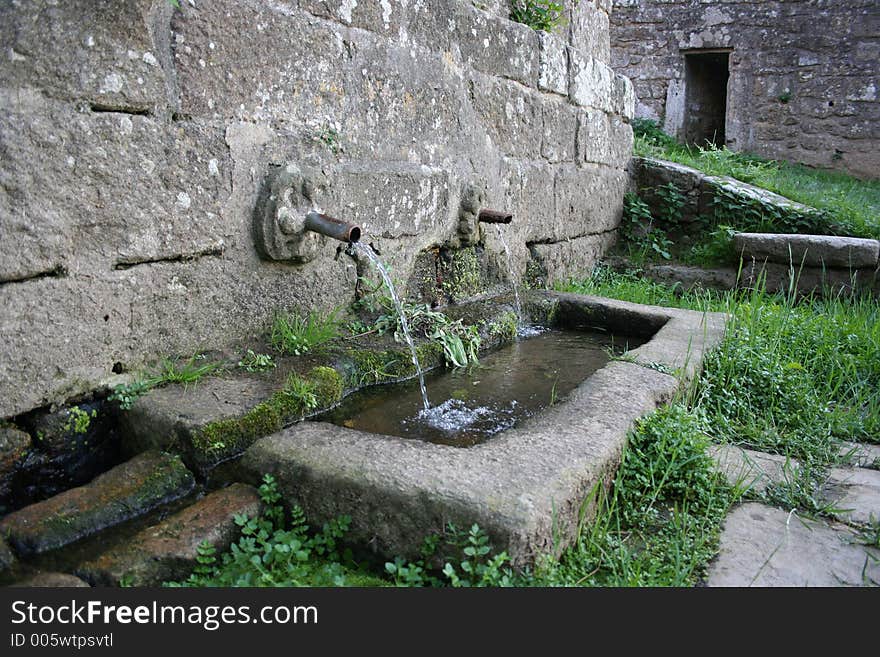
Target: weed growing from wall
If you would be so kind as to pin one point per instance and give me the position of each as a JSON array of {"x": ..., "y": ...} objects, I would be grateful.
[{"x": 539, "y": 14}]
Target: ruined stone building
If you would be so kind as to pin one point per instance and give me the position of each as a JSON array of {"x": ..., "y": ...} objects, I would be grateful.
[
  {"x": 136, "y": 139},
  {"x": 787, "y": 79}
]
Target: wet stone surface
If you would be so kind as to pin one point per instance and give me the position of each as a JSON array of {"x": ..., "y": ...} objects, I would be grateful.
[
  {"x": 168, "y": 550},
  {"x": 51, "y": 580},
  {"x": 121, "y": 493}
]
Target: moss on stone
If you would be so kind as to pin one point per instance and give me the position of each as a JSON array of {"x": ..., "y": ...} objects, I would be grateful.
[
  {"x": 320, "y": 388},
  {"x": 464, "y": 279},
  {"x": 328, "y": 383},
  {"x": 504, "y": 327}
]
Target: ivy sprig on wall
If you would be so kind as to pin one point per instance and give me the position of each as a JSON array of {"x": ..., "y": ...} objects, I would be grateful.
[{"x": 539, "y": 14}]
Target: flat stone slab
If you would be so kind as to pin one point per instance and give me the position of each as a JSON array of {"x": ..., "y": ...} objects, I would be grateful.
[
  {"x": 124, "y": 492},
  {"x": 809, "y": 250},
  {"x": 765, "y": 546},
  {"x": 167, "y": 551},
  {"x": 863, "y": 455},
  {"x": 51, "y": 580},
  {"x": 854, "y": 493},
  {"x": 527, "y": 486},
  {"x": 749, "y": 469}
]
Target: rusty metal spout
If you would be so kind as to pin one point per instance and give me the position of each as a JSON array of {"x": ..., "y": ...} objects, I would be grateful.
[
  {"x": 495, "y": 217},
  {"x": 332, "y": 227}
]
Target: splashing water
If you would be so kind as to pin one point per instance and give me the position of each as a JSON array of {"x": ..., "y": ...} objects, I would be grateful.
[{"x": 386, "y": 278}]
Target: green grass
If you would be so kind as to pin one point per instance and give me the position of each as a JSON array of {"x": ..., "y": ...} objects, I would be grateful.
[
  {"x": 852, "y": 203},
  {"x": 659, "y": 524},
  {"x": 294, "y": 335},
  {"x": 790, "y": 377}
]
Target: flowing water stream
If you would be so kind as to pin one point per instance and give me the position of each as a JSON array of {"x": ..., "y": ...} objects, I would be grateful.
[
  {"x": 519, "y": 310},
  {"x": 367, "y": 251}
]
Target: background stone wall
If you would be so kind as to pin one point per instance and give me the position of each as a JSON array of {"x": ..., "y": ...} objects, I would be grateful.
[
  {"x": 803, "y": 73},
  {"x": 136, "y": 138}
]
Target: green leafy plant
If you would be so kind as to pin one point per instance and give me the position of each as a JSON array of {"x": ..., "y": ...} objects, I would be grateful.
[
  {"x": 295, "y": 335},
  {"x": 127, "y": 394},
  {"x": 640, "y": 232},
  {"x": 469, "y": 561},
  {"x": 253, "y": 362},
  {"x": 671, "y": 203},
  {"x": 538, "y": 14},
  {"x": 279, "y": 550},
  {"x": 78, "y": 419},
  {"x": 461, "y": 343},
  {"x": 302, "y": 392}
]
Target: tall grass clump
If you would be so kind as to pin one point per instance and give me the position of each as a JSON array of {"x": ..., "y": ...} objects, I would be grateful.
[
  {"x": 294, "y": 335},
  {"x": 659, "y": 524}
]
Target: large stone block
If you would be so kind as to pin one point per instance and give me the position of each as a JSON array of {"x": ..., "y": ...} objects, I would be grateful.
[
  {"x": 763, "y": 546},
  {"x": 111, "y": 189},
  {"x": 559, "y": 261},
  {"x": 511, "y": 116},
  {"x": 292, "y": 67},
  {"x": 560, "y": 132},
  {"x": 590, "y": 83},
  {"x": 603, "y": 139},
  {"x": 589, "y": 30},
  {"x": 554, "y": 64},
  {"x": 588, "y": 200},
  {"x": 101, "y": 54},
  {"x": 500, "y": 47}
]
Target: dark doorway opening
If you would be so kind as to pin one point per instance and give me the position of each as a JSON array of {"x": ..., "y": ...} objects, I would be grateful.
[{"x": 706, "y": 75}]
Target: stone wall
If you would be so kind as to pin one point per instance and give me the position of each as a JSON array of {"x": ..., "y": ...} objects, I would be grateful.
[
  {"x": 136, "y": 139},
  {"x": 803, "y": 73}
]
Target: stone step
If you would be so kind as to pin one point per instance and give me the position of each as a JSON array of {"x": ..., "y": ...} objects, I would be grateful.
[
  {"x": 809, "y": 250},
  {"x": 122, "y": 493},
  {"x": 51, "y": 580},
  {"x": 853, "y": 493},
  {"x": 765, "y": 546},
  {"x": 168, "y": 550}
]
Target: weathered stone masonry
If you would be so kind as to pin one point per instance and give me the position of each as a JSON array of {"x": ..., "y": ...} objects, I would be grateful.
[
  {"x": 803, "y": 73},
  {"x": 135, "y": 138}
]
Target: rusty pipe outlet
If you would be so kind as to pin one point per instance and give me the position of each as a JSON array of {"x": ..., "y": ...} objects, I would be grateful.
[
  {"x": 332, "y": 227},
  {"x": 494, "y": 217}
]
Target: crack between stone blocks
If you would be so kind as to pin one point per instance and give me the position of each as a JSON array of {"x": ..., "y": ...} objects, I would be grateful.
[
  {"x": 550, "y": 240},
  {"x": 99, "y": 108},
  {"x": 182, "y": 257},
  {"x": 59, "y": 271}
]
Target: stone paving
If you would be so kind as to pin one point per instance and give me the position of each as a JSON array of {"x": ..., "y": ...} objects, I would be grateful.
[{"x": 763, "y": 545}]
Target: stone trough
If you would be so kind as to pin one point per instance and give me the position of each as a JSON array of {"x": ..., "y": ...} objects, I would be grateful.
[{"x": 530, "y": 486}]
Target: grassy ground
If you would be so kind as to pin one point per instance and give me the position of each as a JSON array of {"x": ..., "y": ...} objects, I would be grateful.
[
  {"x": 853, "y": 203},
  {"x": 789, "y": 378}
]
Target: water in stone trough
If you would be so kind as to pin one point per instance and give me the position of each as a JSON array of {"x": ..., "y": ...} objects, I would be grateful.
[{"x": 508, "y": 385}]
